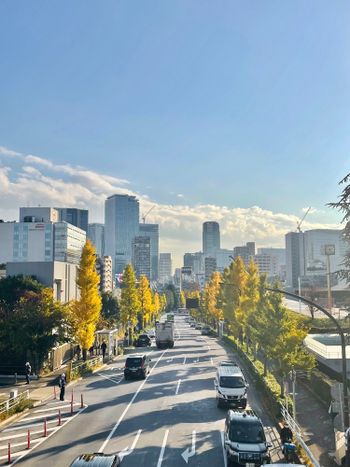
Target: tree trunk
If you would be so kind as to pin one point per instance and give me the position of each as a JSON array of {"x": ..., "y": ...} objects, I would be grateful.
[
  {"x": 84, "y": 355},
  {"x": 265, "y": 365}
]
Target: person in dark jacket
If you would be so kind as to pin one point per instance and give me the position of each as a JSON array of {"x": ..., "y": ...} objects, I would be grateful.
[
  {"x": 103, "y": 348},
  {"x": 62, "y": 385},
  {"x": 28, "y": 370},
  {"x": 286, "y": 435}
]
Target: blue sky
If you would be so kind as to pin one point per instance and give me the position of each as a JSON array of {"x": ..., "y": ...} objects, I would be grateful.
[{"x": 228, "y": 103}]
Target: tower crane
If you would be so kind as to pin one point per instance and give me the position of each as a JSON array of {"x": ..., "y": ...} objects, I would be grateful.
[
  {"x": 302, "y": 220},
  {"x": 145, "y": 215}
]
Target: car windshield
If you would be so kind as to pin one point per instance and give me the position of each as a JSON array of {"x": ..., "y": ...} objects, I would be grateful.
[
  {"x": 133, "y": 362},
  {"x": 232, "y": 382},
  {"x": 247, "y": 432}
]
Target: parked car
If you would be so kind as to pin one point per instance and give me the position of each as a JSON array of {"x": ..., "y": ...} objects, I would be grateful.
[
  {"x": 245, "y": 440},
  {"x": 97, "y": 459},
  {"x": 137, "y": 365},
  {"x": 206, "y": 331},
  {"x": 143, "y": 340}
]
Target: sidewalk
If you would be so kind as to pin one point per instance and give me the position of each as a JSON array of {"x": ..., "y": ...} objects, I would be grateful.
[{"x": 316, "y": 425}]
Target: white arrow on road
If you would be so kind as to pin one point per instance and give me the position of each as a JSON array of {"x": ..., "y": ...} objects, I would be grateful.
[
  {"x": 190, "y": 452},
  {"x": 126, "y": 451}
]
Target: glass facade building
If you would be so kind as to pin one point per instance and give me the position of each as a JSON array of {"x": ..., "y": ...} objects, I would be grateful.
[
  {"x": 152, "y": 231},
  {"x": 211, "y": 238},
  {"x": 122, "y": 213}
]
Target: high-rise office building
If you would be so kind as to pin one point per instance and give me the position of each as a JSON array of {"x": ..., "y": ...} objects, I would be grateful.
[
  {"x": 96, "y": 234},
  {"x": 246, "y": 252},
  {"x": 306, "y": 257},
  {"x": 195, "y": 261},
  {"x": 122, "y": 214},
  {"x": 165, "y": 267},
  {"x": 211, "y": 238},
  {"x": 74, "y": 216},
  {"x": 152, "y": 231},
  {"x": 210, "y": 267},
  {"x": 223, "y": 258},
  {"x": 141, "y": 256}
]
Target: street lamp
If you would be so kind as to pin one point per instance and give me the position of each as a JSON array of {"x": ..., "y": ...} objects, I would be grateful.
[{"x": 343, "y": 351}]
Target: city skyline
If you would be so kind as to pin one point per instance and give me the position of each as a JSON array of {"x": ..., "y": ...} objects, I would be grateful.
[{"x": 229, "y": 112}]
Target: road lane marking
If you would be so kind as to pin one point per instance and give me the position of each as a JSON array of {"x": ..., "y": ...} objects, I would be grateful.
[
  {"x": 127, "y": 451},
  {"x": 223, "y": 448},
  {"x": 104, "y": 444},
  {"x": 110, "y": 379},
  {"x": 190, "y": 452},
  {"x": 184, "y": 361},
  {"x": 27, "y": 451},
  {"x": 169, "y": 360},
  {"x": 209, "y": 347},
  {"x": 177, "y": 387},
  {"x": 160, "y": 460},
  {"x": 211, "y": 360}
]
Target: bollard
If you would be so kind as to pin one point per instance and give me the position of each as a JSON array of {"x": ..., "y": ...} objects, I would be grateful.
[
  {"x": 72, "y": 396},
  {"x": 9, "y": 453},
  {"x": 45, "y": 427},
  {"x": 54, "y": 392},
  {"x": 28, "y": 440},
  {"x": 71, "y": 407},
  {"x": 81, "y": 401},
  {"x": 59, "y": 418}
]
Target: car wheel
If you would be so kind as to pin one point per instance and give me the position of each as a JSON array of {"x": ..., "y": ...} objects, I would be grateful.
[
  {"x": 144, "y": 375},
  {"x": 229, "y": 461},
  {"x": 218, "y": 403},
  {"x": 126, "y": 377},
  {"x": 244, "y": 405}
]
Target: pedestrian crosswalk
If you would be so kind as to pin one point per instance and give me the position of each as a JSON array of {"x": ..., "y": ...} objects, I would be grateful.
[{"x": 36, "y": 427}]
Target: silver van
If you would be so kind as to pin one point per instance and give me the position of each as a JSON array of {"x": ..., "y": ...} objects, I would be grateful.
[{"x": 231, "y": 387}]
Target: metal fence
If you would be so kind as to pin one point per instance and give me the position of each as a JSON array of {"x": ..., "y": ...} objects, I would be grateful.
[
  {"x": 10, "y": 403},
  {"x": 79, "y": 368}
]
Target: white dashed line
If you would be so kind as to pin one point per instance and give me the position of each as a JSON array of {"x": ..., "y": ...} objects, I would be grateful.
[
  {"x": 177, "y": 387},
  {"x": 160, "y": 460}
]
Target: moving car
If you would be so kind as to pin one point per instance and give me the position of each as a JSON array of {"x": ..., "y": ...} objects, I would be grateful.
[
  {"x": 245, "y": 440},
  {"x": 137, "y": 365},
  {"x": 143, "y": 340},
  {"x": 96, "y": 459},
  {"x": 206, "y": 331},
  {"x": 231, "y": 387}
]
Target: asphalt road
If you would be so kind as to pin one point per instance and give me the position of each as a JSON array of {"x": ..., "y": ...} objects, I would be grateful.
[{"x": 156, "y": 422}]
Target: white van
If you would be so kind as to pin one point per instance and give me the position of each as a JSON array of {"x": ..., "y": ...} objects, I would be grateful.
[{"x": 231, "y": 387}]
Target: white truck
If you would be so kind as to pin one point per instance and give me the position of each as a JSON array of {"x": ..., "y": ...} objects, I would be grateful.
[{"x": 165, "y": 334}]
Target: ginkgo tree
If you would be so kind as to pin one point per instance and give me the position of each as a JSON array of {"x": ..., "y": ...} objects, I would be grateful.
[
  {"x": 85, "y": 312},
  {"x": 129, "y": 301},
  {"x": 146, "y": 304}
]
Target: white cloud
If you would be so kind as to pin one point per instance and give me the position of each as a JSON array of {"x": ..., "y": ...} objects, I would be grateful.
[{"x": 40, "y": 181}]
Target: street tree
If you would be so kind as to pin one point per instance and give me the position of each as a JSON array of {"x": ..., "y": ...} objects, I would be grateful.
[
  {"x": 211, "y": 299},
  {"x": 130, "y": 301},
  {"x": 110, "y": 311},
  {"x": 145, "y": 298},
  {"x": 32, "y": 326},
  {"x": 249, "y": 299},
  {"x": 86, "y": 311}
]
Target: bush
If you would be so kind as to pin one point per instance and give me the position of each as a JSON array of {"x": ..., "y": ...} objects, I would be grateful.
[{"x": 20, "y": 407}]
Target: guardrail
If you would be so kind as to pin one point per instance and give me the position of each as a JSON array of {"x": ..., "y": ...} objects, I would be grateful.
[
  {"x": 10, "y": 403},
  {"x": 79, "y": 368}
]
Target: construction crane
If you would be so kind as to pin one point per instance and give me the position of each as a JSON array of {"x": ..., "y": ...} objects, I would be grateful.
[
  {"x": 302, "y": 220},
  {"x": 145, "y": 215}
]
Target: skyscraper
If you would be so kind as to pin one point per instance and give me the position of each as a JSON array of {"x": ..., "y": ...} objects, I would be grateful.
[
  {"x": 211, "y": 238},
  {"x": 164, "y": 267},
  {"x": 121, "y": 227},
  {"x": 141, "y": 256},
  {"x": 96, "y": 233},
  {"x": 152, "y": 231},
  {"x": 74, "y": 216}
]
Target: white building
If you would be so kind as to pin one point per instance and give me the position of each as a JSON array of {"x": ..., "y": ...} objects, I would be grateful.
[
  {"x": 271, "y": 261},
  {"x": 104, "y": 269},
  {"x": 38, "y": 214},
  {"x": 60, "y": 276},
  {"x": 40, "y": 241}
]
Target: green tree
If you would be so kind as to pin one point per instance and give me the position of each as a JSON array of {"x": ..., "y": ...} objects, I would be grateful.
[
  {"x": 86, "y": 311},
  {"x": 12, "y": 288},
  {"x": 110, "y": 311},
  {"x": 211, "y": 302},
  {"x": 249, "y": 299},
  {"x": 145, "y": 297},
  {"x": 130, "y": 301},
  {"x": 33, "y": 325}
]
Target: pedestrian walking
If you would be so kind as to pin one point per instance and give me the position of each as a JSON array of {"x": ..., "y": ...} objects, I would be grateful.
[
  {"x": 103, "y": 348},
  {"x": 28, "y": 370},
  {"x": 62, "y": 385}
]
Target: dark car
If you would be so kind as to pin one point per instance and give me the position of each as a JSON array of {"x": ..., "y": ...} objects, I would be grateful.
[
  {"x": 206, "y": 331},
  {"x": 245, "y": 440},
  {"x": 96, "y": 460},
  {"x": 137, "y": 366},
  {"x": 143, "y": 341}
]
